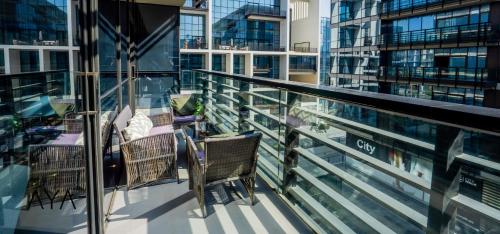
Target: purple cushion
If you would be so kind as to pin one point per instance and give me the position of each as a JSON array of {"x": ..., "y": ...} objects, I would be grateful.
[
  {"x": 201, "y": 155},
  {"x": 184, "y": 119},
  {"x": 161, "y": 129},
  {"x": 65, "y": 139}
]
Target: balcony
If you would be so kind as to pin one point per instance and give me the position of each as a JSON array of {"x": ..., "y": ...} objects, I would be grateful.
[
  {"x": 304, "y": 47},
  {"x": 257, "y": 11},
  {"x": 330, "y": 160},
  {"x": 194, "y": 43},
  {"x": 393, "y": 9},
  {"x": 446, "y": 76},
  {"x": 458, "y": 36}
]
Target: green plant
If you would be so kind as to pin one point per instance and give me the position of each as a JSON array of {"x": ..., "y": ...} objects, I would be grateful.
[
  {"x": 199, "y": 108},
  {"x": 16, "y": 122}
]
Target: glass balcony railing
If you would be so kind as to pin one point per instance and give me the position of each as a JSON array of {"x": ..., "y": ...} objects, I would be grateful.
[
  {"x": 263, "y": 10},
  {"x": 476, "y": 33},
  {"x": 451, "y": 75},
  {"x": 395, "y": 6},
  {"x": 243, "y": 44},
  {"x": 194, "y": 43},
  {"x": 356, "y": 162}
]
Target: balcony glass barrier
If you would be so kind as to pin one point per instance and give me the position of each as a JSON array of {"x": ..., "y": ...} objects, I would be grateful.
[
  {"x": 438, "y": 74},
  {"x": 394, "y": 6},
  {"x": 456, "y": 34},
  {"x": 42, "y": 167},
  {"x": 347, "y": 161},
  {"x": 194, "y": 43},
  {"x": 262, "y": 10}
]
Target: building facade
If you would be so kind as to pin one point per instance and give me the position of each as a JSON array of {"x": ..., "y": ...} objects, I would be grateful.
[
  {"x": 355, "y": 55},
  {"x": 326, "y": 37},
  {"x": 447, "y": 53},
  {"x": 276, "y": 39},
  {"x": 439, "y": 50}
]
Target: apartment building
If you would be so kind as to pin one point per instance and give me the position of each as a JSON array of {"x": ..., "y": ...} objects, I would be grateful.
[
  {"x": 277, "y": 39},
  {"x": 326, "y": 37},
  {"x": 439, "y": 50},
  {"x": 354, "y": 50}
]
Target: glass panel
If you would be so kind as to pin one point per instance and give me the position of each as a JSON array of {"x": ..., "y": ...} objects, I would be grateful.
[
  {"x": 349, "y": 167},
  {"x": 42, "y": 165}
]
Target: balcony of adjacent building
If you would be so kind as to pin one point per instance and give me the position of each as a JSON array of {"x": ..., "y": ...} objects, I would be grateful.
[
  {"x": 394, "y": 9},
  {"x": 454, "y": 36},
  {"x": 329, "y": 160},
  {"x": 257, "y": 11},
  {"x": 194, "y": 43},
  {"x": 441, "y": 76},
  {"x": 243, "y": 44},
  {"x": 304, "y": 47},
  {"x": 195, "y": 5}
]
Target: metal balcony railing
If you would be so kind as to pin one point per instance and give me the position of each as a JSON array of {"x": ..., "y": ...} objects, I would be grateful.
[
  {"x": 242, "y": 44},
  {"x": 475, "y": 33},
  {"x": 263, "y": 10},
  {"x": 443, "y": 75},
  {"x": 194, "y": 43},
  {"x": 398, "y": 6},
  {"x": 304, "y": 47},
  {"x": 357, "y": 162}
]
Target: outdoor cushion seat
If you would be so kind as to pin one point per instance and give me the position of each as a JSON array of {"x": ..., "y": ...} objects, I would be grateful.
[
  {"x": 65, "y": 139},
  {"x": 161, "y": 129},
  {"x": 153, "y": 156},
  {"x": 184, "y": 119}
]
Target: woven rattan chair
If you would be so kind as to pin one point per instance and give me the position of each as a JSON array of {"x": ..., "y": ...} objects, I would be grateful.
[
  {"x": 57, "y": 169},
  {"x": 220, "y": 160},
  {"x": 151, "y": 158}
]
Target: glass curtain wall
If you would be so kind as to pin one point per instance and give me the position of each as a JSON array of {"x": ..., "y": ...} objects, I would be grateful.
[
  {"x": 232, "y": 29},
  {"x": 266, "y": 66},
  {"x": 27, "y": 22},
  {"x": 192, "y": 32},
  {"x": 156, "y": 35}
]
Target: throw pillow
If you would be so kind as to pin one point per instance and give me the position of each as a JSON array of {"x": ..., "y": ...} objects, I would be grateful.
[{"x": 184, "y": 104}]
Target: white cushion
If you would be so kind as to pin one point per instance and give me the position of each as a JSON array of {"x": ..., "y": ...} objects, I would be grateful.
[
  {"x": 139, "y": 126},
  {"x": 79, "y": 140},
  {"x": 105, "y": 117}
]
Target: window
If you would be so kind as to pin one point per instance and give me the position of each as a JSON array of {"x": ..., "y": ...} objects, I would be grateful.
[{"x": 192, "y": 32}]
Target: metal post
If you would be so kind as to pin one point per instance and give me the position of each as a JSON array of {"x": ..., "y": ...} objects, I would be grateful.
[
  {"x": 118, "y": 49},
  {"x": 89, "y": 84},
  {"x": 243, "y": 111},
  {"x": 291, "y": 141},
  {"x": 445, "y": 178}
]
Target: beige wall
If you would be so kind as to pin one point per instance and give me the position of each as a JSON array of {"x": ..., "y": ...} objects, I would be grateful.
[{"x": 309, "y": 78}]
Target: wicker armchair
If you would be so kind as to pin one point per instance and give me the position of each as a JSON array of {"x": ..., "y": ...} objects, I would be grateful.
[
  {"x": 56, "y": 172},
  {"x": 151, "y": 158},
  {"x": 57, "y": 169},
  {"x": 220, "y": 160}
]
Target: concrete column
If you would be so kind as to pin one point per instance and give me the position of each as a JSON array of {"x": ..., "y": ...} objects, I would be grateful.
[
  {"x": 44, "y": 60},
  {"x": 14, "y": 61},
  {"x": 6, "y": 58},
  {"x": 229, "y": 63},
  {"x": 249, "y": 64}
]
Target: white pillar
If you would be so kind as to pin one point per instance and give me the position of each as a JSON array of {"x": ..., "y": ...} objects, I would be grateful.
[
  {"x": 44, "y": 60},
  {"x": 14, "y": 61},
  {"x": 6, "y": 59},
  {"x": 71, "y": 53}
]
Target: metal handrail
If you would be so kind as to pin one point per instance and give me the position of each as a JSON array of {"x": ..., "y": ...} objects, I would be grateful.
[{"x": 475, "y": 118}]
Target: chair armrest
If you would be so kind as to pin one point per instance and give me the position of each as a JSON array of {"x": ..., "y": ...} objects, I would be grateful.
[
  {"x": 162, "y": 119},
  {"x": 193, "y": 152}
]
